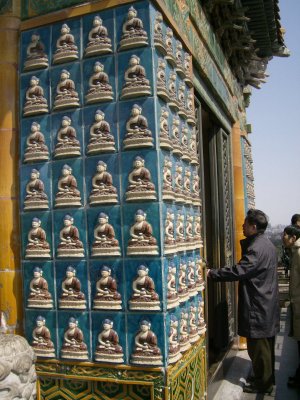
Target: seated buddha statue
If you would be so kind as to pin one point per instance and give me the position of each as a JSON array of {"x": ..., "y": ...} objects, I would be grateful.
[
  {"x": 108, "y": 348},
  {"x": 66, "y": 96},
  {"x": 66, "y": 49},
  {"x": 179, "y": 59},
  {"x": 175, "y": 137},
  {"x": 136, "y": 84},
  {"x": 36, "y": 197},
  {"x": 99, "y": 87},
  {"x": 170, "y": 246},
  {"x": 105, "y": 242},
  {"x": 193, "y": 328},
  {"x": 103, "y": 190},
  {"x": 36, "y": 149},
  {"x": 142, "y": 240},
  {"x": 146, "y": 350},
  {"x": 37, "y": 246},
  {"x": 178, "y": 184},
  {"x": 35, "y": 54},
  {"x": 107, "y": 296},
  {"x": 137, "y": 132},
  {"x": 172, "y": 295},
  {"x": 71, "y": 296},
  {"x": 191, "y": 278},
  {"x": 168, "y": 192},
  {"x": 190, "y": 108},
  {"x": 67, "y": 145},
  {"x": 172, "y": 87},
  {"x": 195, "y": 192},
  {"x": 101, "y": 140},
  {"x": 193, "y": 147},
  {"x": 200, "y": 267},
  {"x": 158, "y": 34},
  {"x": 98, "y": 40},
  {"x": 161, "y": 80},
  {"x": 181, "y": 99},
  {"x": 35, "y": 101},
  {"x": 189, "y": 232},
  {"x": 183, "y": 292},
  {"x": 144, "y": 296},
  {"x": 164, "y": 138},
  {"x": 169, "y": 37},
  {"x": 174, "y": 347},
  {"x": 68, "y": 194},
  {"x": 187, "y": 186},
  {"x": 73, "y": 346},
  {"x": 188, "y": 69},
  {"x": 200, "y": 320},
  {"x": 133, "y": 33},
  {"x": 41, "y": 343},
  {"x": 39, "y": 295},
  {"x": 70, "y": 245},
  {"x": 185, "y": 143},
  {"x": 140, "y": 186},
  {"x": 180, "y": 231},
  {"x": 184, "y": 340},
  {"x": 198, "y": 242}
]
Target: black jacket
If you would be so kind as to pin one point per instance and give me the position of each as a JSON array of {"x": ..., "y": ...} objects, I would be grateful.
[{"x": 258, "y": 304}]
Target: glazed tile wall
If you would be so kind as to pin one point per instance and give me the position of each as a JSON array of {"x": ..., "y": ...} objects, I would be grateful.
[{"x": 121, "y": 214}]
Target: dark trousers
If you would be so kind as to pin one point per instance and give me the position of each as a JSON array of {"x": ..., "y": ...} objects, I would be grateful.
[{"x": 262, "y": 354}]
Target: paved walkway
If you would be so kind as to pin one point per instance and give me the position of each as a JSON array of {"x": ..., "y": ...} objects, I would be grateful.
[{"x": 286, "y": 354}]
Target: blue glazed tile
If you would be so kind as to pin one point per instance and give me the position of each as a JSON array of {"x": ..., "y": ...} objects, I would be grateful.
[
  {"x": 153, "y": 284},
  {"x": 169, "y": 230},
  {"x": 172, "y": 338},
  {"x": 42, "y": 46},
  {"x": 107, "y": 17},
  {"x": 47, "y": 274},
  {"x": 75, "y": 28},
  {"x": 42, "y": 104},
  {"x": 170, "y": 271},
  {"x": 158, "y": 30},
  {"x": 50, "y": 323},
  {"x": 118, "y": 326},
  {"x": 113, "y": 283}
]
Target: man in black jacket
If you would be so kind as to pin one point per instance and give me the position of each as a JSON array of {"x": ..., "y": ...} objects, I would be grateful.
[{"x": 258, "y": 304}]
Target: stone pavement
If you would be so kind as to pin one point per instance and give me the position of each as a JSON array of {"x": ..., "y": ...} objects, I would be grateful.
[{"x": 286, "y": 357}]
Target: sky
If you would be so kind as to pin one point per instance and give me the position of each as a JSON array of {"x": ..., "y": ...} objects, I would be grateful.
[{"x": 274, "y": 114}]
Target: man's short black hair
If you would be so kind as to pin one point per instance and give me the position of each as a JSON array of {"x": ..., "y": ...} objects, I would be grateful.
[
  {"x": 295, "y": 219},
  {"x": 292, "y": 230},
  {"x": 258, "y": 218}
]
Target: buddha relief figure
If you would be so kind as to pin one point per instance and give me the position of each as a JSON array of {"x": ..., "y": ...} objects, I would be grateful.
[
  {"x": 159, "y": 41},
  {"x": 67, "y": 145},
  {"x": 136, "y": 84},
  {"x": 164, "y": 139},
  {"x": 198, "y": 242},
  {"x": 103, "y": 190},
  {"x": 73, "y": 345},
  {"x": 137, "y": 133},
  {"x": 189, "y": 232},
  {"x": 181, "y": 100},
  {"x": 66, "y": 96},
  {"x": 190, "y": 108},
  {"x": 185, "y": 143},
  {"x": 66, "y": 49},
  {"x": 187, "y": 186},
  {"x": 183, "y": 291},
  {"x": 191, "y": 278},
  {"x": 39, "y": 295},
  {"x": 98, "y": 40},
  {"x": 142, "y": 241},
  {"x": 179, "y": 59},
  {"x": 107, "y": 296},
  {"x": 36, "y": 149},
  {"x": 187, "y": 63},
  {"x": 101, "y": 140},
  {"x": 174, "y": 347},
  {"x": 201, "y": 321},
  {"x": 161, "y": 81},
  {"x": 184, "y": 340},
  {"x": 68, "y": 194},
  {"x": 178, "y": 189},
  {"x": 168, "y": 192},
  {"x": 108, "y": 348},
  {"x": 71, "y": 296},
  {"x": 35, "y": 101},
  {"x": 133, "y": 34},
  {"x": 41, "y": 343},
  {"x": 70, "y": 245},
  {"x": 193, "y": 328},
  {"x": 200, "y": 266},
  {"x": 176, "y": 140},
  {"x": 172, "y": 87},
  {"x": 193, "y": 145},
  {"x": 99, "y": 88},
  {"x": 35, "y": 54},
  {"x": 146, "y": 351},
  {"x": 196, "y": 189},
  {"x": 105, "y": 242},
  {"x": 36, "y": 198},
  {"x": 144, "y": 296},
  {"x": 37, "y": 246},
  {"x": 169, "y": 47},
  {"x": 170, "y": 246},
  {"x": 140, "y": 186},
  {"x": 172, "y": 295}
]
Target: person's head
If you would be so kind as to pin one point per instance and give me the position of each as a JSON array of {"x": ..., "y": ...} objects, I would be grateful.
[
  {"x": 295, "y": 220},
  {"x": 255, "y": 222},
  {"x": 291, "y": 234}
]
